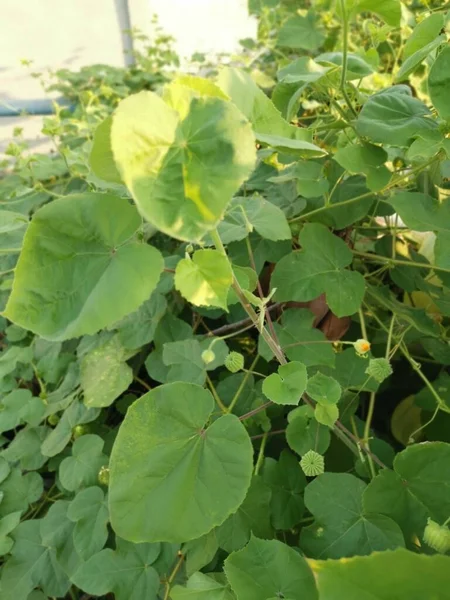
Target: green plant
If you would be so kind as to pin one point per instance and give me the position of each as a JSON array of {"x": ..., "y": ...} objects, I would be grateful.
[{"x": 226, "y": 334}]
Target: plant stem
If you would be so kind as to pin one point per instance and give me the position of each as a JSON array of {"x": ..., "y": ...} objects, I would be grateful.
[
  {"x": 344, "y": 58},
  {"x": 389, "y": 340},
  {"x": 219, "y": 402},
  {"x": 262, "y": 447},
  {"x": 142, "y": 382},
  {"x": 243, "y": 322},
  {"x": 248, "y": 307},
  {"x": 387, "y": 187},
  {"x": 367, "y": 425},
  {"x": 340, "y": 430},
  {"x": 396, "y": 261},
  {"x": 270, "y": 433},
  {"x": 173, "y": 575},
  {"x": 362, "y": 323},
  {"x": 242, "y": 386}
]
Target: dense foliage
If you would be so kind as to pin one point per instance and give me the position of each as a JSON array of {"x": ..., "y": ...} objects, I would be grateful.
[{"x": 224, "y": 342}]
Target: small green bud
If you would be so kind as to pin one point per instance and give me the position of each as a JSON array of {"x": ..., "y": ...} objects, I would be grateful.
[
  {"x": 379, "y": 368},
  {"x": 189, "y": 248},
  {"x": 79, "y": 430},
  {"x": 103, "y": 475},
  {"x": 234, "y": 362},
  {"x": 208, "y": 356},
  {"x": 53, "y": 420},
  {"x": 312, "y": 464},
  {"x": 437, "y": 537}
]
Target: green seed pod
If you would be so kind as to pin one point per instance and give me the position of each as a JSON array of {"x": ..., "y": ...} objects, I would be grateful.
[
  {"x": 312, "y": 464},
  {"x": 437, "y": 536},
  {"x": 379, "y": 368},
  {"x": 208, "y": 356},
  {"x": 234, "y": 362},
  {"x": 103, "y": 475}
]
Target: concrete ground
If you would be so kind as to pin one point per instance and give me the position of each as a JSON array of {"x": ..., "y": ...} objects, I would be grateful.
[{"x": 72, "y": 33}]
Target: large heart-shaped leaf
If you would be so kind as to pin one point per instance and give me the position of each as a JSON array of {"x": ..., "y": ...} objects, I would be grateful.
[
  {"x": 182, "y": 168},
  {"x": 439, "y": 83},
  {"x": 267, "y": 569},
  {"x": 342, "y": 526},
  {"x": 173, "y": 478},
  {"x": 394, "y": 117},
  {"x": 381, "y": 576},
  {"x": 78, "y": 251}
]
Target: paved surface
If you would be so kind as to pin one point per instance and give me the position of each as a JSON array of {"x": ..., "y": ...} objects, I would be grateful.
[{"x": 71, "y": 33}]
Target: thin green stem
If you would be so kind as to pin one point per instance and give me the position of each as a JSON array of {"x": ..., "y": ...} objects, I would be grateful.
[
  {"x": 260, "y": 459},
  {"x": 242, "y": 386},
  {"x": 274, "y": 347},
  {"x": 415, "y": 432},
  {"x": 396, "y": 261},
  {"x": 213, "y": 390},
  {"x": 367, "y": 425},
  {"x": 389, "y": 340},
  {"x": 387, "y": 187},
  {"x": 362, "y": 323},
  {"x": 414, "y": 364},
  {"x": 143, "y": 383},
  {"x": 172, "y": 576},
  {"x": 344, "y": 58}
]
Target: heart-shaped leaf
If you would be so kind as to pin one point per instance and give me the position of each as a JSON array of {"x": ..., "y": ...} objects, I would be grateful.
[{"x": 172, "y": 478}]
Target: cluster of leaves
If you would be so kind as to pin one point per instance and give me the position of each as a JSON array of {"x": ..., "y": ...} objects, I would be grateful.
[{"x": 225, "y": 326}]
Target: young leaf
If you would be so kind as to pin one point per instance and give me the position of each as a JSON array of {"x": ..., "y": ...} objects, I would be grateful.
[
  {"x": 7, "y": 525},
  {"x": 104, "y": 374},
  {"x": 32, "y": 564},
  {"x": 182, "y": 169},
  {"x": 301, "y": 32},
  {"x": 319, "y": 267},
  {"x": 286, "y": 386},
  {"x": 77, "y": 252},
  {"x": 20, "y": 406},
  {"x": 252, "y": 516},
  {"x": 90, "y": 513},
  {"x": 417, "y": 58},
  {"x": 268, "y": 220},
  {"x": 127, "y": 572},
  {"x": 324, "y": 389},
  {"x": 76, "y": 414},
  {"x": 304, "y": 433},
  {"x": 393, "y": 117},
  {"x": 423, "y": 33},
  {"x": 261, "y": 112},
  {"x": 19, "y": 490},
  {"x": 101, "y": 159},
  {"x": 165, "y": 463},
  {"x": 204, "y": 279},
  {"x": 287, "y": 482},
  {"x": 342, "y": 527},
  {"x": 326, "y": 414},
  {"x": 202, "y": 587},
  {"x": 299, "y": 340},
  {"x": 138, "y": 328},
  {"x": 266, "y": 569},
  {"x": 81, "y": 469},
  {"x": 439, "y": 83}
]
